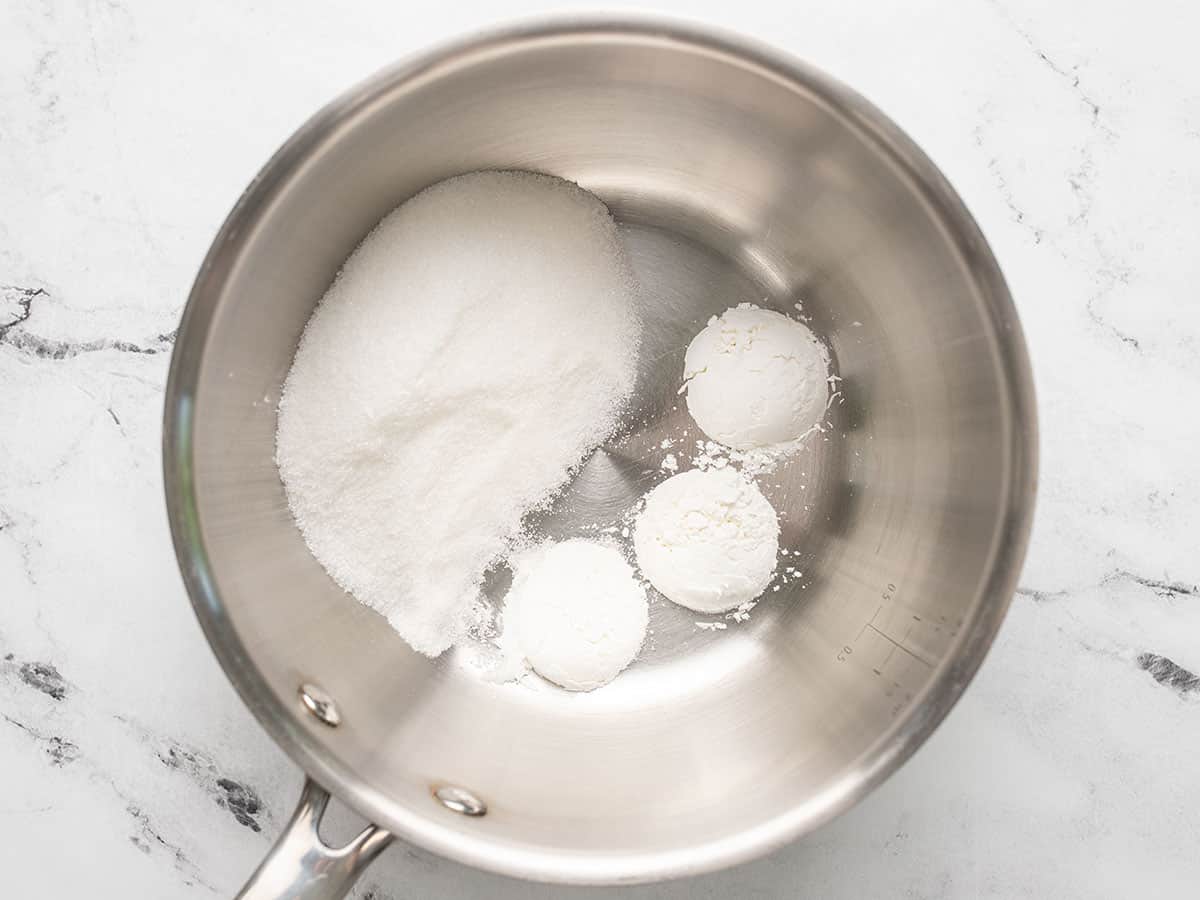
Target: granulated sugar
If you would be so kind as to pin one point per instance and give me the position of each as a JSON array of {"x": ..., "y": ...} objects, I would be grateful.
[{"x": 474, "y": 349}]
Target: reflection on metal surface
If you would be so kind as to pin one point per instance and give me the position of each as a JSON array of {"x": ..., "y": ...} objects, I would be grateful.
[
  {"x": 320, "y": 704},
  {"x": 460, "y": 800},
  {"x": 301, "y": 866}
]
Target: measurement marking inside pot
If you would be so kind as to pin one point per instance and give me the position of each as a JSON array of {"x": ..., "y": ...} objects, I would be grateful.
[
  {"x": 870, "y": 624},
  {"x": 896, "y": 643}
]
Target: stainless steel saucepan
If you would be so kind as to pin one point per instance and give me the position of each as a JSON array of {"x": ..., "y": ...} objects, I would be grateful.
[{"x": 736, "y": 174}]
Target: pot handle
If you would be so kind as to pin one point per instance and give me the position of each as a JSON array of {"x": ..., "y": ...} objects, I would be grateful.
[{"x": 301, "y": 866}]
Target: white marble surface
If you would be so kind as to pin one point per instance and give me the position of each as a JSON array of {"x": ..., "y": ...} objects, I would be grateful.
[{"x": 127, "y": 128}]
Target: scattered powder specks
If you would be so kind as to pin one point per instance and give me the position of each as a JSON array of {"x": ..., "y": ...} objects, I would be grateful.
[{"x": 742, "y": 613}]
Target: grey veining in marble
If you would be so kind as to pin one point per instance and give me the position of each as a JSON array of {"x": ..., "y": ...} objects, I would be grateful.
[{"x": 130, "y": 768}]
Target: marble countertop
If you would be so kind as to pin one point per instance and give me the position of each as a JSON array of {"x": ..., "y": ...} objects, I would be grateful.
[{"x": 1069, "y": 770}]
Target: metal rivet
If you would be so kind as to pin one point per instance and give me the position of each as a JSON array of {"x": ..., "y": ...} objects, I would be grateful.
[
  {"x": 460, "y": 800},
  {"x": 320, "y": 704}
]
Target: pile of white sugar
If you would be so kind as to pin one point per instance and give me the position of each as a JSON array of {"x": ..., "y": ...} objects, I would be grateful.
[{"x": 477, "y": 345}]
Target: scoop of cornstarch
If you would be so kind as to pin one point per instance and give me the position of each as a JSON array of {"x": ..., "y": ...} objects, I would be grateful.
[
  {"x": 576, "y": 612},
  {"x": 707, "y": 539},
  {"x": 478, "y": 344},
  {"x": 756, "y": 378}
]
